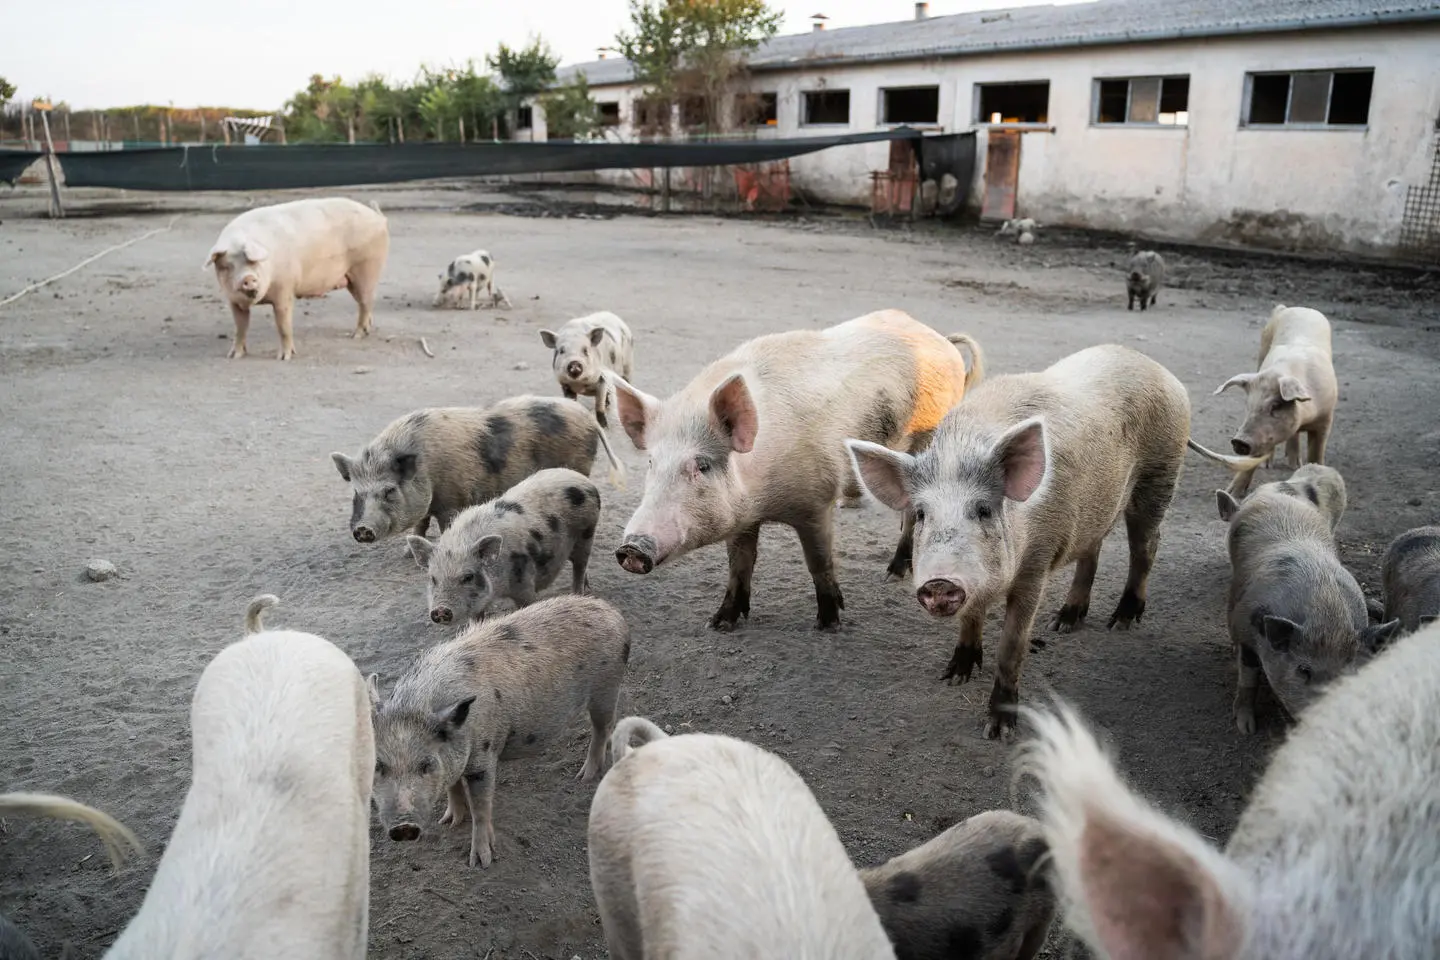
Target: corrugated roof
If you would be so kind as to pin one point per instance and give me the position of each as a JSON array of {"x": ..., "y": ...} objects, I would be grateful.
[{"x": 1035, "y": 28}]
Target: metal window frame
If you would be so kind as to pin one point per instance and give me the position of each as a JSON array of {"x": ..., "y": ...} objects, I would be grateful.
[
  {"x": 1248, "y": 104},
  {"x": 881, "y": 120},
  {"x": 1129, "y": 88},
  {"x": 981, "y": 121},
  {"x": 805, "y": 120}
]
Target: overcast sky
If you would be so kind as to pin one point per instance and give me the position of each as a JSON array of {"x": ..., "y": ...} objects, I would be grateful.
[{"x": 256, "y": 53}]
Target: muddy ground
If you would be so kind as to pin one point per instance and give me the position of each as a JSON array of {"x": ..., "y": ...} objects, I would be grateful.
[{"x": 128, "y": 436}]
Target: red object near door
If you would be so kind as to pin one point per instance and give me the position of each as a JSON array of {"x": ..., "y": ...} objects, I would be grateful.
[{"x": 1002, "y": 175}]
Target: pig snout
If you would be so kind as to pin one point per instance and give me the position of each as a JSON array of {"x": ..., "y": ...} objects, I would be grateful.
[
  {"x": 941, "y": 597},
  {"x": 637, "y": 554},
  {"x": 573, "y": 369},
  {"x": 362, "y": 533},
  {"x": 1243, "y": 447},
  {"x": 405, "y": 831},
  {"x": 442, "y": 615}
]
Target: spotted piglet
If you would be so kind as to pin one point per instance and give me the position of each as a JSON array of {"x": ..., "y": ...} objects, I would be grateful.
[
  {"x": 505, "y": 688},
  {"x": 511, "y": 547},
  {"x": 584, "y": 349},
  {"x": 979, "y": 890}
]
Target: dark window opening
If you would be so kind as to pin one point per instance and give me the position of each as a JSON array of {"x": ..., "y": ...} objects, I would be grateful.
[
  {"x": 757, "y": 109},
  {"x": 694, "y": 112},
  {"x": 525, "y": 118},
  {"x": 1144, "y": 100},
  {"x": 1313, "y": 98},
  {"x": 1350, "y": 97},
  {"x": 1014, "y": 102},
  {"x": 827, "y": 106},
  {"x": 651, "y": 114},
  {"x": 609, "y": 113},
  {"x": 910, "y": 105}
]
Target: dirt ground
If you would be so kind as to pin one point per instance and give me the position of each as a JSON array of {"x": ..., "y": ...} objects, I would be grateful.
[{"x": 128, "y": 436}]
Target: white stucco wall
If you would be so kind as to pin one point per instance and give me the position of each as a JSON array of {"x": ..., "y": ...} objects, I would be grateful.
[{"x": 1211, "y": 180}]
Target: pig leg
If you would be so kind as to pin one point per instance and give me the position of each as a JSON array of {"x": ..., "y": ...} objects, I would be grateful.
[
  {"x": 242, "y": 327},
  {"x": 1077, "y": 602},
  {"x": 580, "y": 561},
  {"x": 1130, "y": 302},
  {"x": 1248, "y": 664},
  {"x": 480, "y": 786},
  {"x": 1292, "y": 452},
  {"x": 365, "y": 296},
  {"x": 457, "y": 805},
  {"x": 817, "y": 538},
  {"x": 498, "y": 298},
  {"x": 567, "y": 392},
  {"x": 422, "y": 527},
  {"x": 1315, "y": 437},
  {"x": 1240, "y": 484},
  {"x": 742, "y": 549},
  {"x": 899, "y": 567},
  {"x": 969, "y": 655},
  {"x": 284, "y": 324},
  {"x": 1020, "y": 608},
  {"x": 1143, "y": 515},
  {"x": 602, "y": 721}
]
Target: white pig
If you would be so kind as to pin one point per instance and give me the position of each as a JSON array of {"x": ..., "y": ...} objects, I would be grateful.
[
  {"x": 271, "y": 855},
  {"x": 468, "y": 275},
  {"x": 1336, "y": 857},
  {"x": 301, "y": 249},
  {"x": 584, "y": 349},
  {"x": 1293, "y": 392},
  {"x": 710, "y": 848}
]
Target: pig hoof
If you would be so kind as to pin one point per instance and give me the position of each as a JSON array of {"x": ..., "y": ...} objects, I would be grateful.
[
  {"x": 1070, "y": 618},
  {"x": 484, "y": 858},
  {"x": 285, "y": 355},
  {"x": 898, "y": 570},
  {"x": 236, "y": 352},
  {"x": 1245, "y": 721},
  {"x": 1129, "y": 611},
  {"x": 963, "y": 663},
  {"x": 998, "y": 728},
  {"x": 723, "y": 623}
]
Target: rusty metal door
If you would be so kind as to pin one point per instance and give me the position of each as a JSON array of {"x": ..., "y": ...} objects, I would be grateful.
[{"x": 1002, "y": 175}]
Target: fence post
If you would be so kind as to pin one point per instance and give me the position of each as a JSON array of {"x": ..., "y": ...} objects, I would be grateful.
[{"x": 56, "y": 210}]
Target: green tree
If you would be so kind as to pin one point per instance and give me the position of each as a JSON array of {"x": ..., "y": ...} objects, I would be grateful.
[
  {"x": 7, "y": 90},
  {"x": 570, "y": 111},
  {"x": 524, "y": 72}
]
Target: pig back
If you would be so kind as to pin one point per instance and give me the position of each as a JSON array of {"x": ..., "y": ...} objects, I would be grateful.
[{"x": 314, "y": 243}]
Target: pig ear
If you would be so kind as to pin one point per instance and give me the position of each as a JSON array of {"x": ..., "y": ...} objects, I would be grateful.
[
  {"x": 255, "y": 251},
  {"x": 1292, "y": 389},
  {"x": 405, "y": 465},
  {"x": 451, "y": 719},
  {"x": 1140, "y": 884},
  {"x": 637, "y": 409},
  {"x": 1242, "y": 380},
  {"x": 1281, "y": 633},
  {"x": 547, "y": 337},
  {"x": 487, "y": 547},
  {"x": 734, "y": 412},
  {"x": 596, "y": 336},
  {"x": 1021, "y": 456},
  {"x": 372, "y": 685},
  {"x": 344, "y": 464},
  {"x": 421, "y": 549},
  {"x": 1375, "y": 638},
  {"x": 215, "y": 254},
  {"x": 881, "y": 471},
  {"x": 1228, "y": 505}
]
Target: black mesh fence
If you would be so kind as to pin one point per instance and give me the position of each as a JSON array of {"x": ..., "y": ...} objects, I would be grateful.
[{"x": 14, "y": 162}]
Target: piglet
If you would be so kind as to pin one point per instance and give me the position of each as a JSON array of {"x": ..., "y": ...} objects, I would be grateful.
[
  {"x": 504, "y": 688},
  {"x": 1143, "y": 276},
  {"x": 1410, "y": 573},
  {"x": 469, "y": 275},
  {"x": 511, "y": 547},
  {"x": 584, "y": 350}
]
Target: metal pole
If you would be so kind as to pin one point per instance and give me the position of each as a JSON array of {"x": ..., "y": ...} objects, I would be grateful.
[{"x": 56, "y": 210}]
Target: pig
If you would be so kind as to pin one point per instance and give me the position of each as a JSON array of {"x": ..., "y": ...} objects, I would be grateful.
[
  {"x": 1143, "y": 276},
  {"x": 433, "y": 463},
  {"x": 504, "y": 688},
  {"x": 706, "y": 847},
  {"x": 1022, "y": 229},
  {"x": 1410, "y": 574},
  {"x": 512, "y": 547},
  {"x": 1293, "y": 392},
  {"x": 584, "y": 349},
  {"x": 301, "y": 249},
  {"x": 1026, "y": 475},
  {"x": 467, "y": 275},
  {"x": 1293, "y": 611},
  {"x": 978, "y": 890},
  {"x": 14, "y": 945},
  {"x": 757, "y": 436},
  {"x": 271, "y": 854},
  {"x": 1335, "y": 857}
]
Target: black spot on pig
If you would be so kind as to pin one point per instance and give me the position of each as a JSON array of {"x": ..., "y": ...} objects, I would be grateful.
[
  {"x": 1007, "y": 867},
  {"x": 495, "y": 441},
  {"x": 904, "y": 887},
  {"x": 530, "y": 738},
  {"x": 882, "y": 420},
  {"x": 537, "y": 535},
  {"x": 553, "y": 522},
  {"x": 963, "y": 941},
  {"x": 1001, "y": 923},
  {"x": 503, "y": 506},
  {"x": 1312, "y": 494},
  {"x": 588, "y": 534},
  {"x": 625, "y": 652},
  {"x": 357, "y": 508},
  {"x": 519, "y": 562},
  {"x": 485, "y": 259},
  {"x": 547, "y": 420},
  {"x": 539, "y": 555},
  {"x": 477, "y": 777},
  {"x": 575, "y": 495},
  {"x": 505, "y": 633}
]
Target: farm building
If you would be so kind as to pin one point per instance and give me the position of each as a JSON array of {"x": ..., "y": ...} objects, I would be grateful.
[{"x": 1297, "y": 124}]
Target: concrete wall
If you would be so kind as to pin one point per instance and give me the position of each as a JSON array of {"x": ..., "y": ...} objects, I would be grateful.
[{"x": 1213, "y": 180}]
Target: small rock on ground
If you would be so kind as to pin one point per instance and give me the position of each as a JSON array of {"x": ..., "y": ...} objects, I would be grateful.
[{"x": 98, "y": 570}]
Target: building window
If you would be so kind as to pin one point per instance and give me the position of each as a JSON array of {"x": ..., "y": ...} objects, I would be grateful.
[
  {"x": 757, "y": 109},
  {"x": 826, "y": 106},
  {"x": 651, "y": 115},
  {"x": 1315, "y": 98},
  {"x": 910, "y": 105},
  {"x": 525, "y": 118},
  {"x": 1163, "y": 101},
  {"x": 1013, "y": 102},
  {"x": 609, "y": 113}
]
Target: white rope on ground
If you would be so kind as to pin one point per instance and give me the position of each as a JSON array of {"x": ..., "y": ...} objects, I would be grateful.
[{"x": 88, "y": 260}]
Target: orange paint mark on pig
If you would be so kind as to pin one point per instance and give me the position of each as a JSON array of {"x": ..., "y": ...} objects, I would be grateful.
[{"x": 939, "y": 367}]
